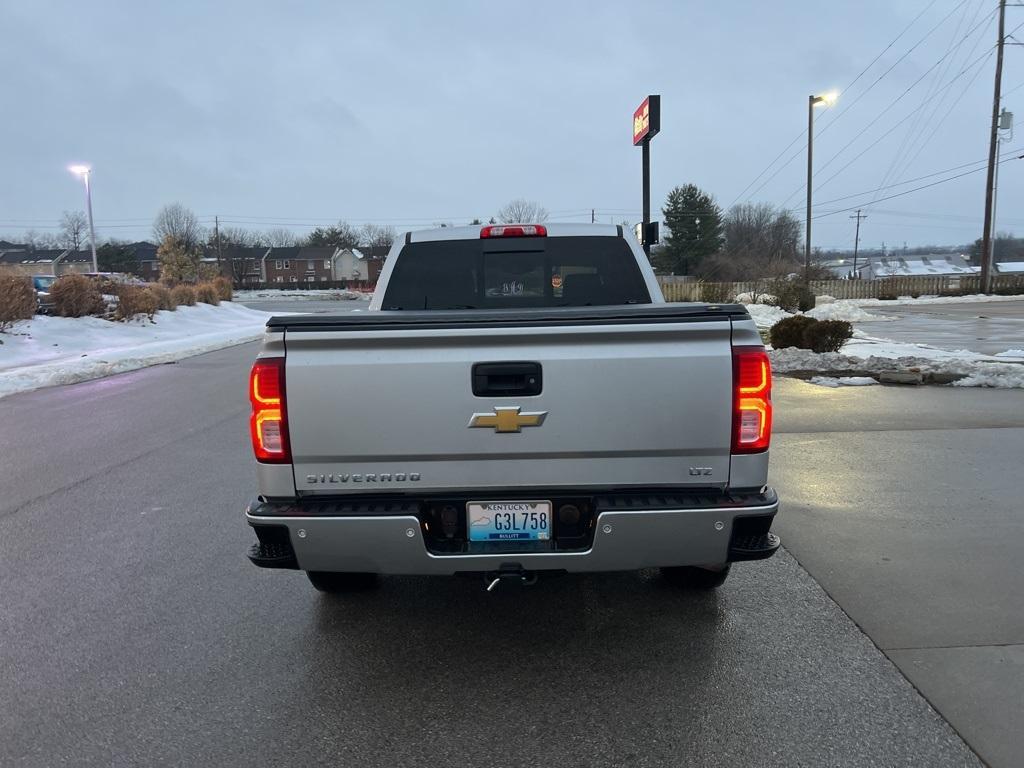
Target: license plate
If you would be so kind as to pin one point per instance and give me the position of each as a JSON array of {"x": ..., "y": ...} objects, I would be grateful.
[{"x": 509, "y": 520}]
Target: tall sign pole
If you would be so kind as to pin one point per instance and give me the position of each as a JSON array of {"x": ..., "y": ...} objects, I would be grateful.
[
  {"x": 646, "y": 125},
  {"x": 986, "y": 235}
]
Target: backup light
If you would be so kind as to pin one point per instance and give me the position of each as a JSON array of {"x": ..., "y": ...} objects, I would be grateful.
[{"x": 513, "y": 230}]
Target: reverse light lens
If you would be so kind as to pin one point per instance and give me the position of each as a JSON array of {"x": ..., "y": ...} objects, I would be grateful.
[
  {"x": 268, "y": 425},
  {"x": 752, "y": 404},
  {"x": 513, "y": 230}
]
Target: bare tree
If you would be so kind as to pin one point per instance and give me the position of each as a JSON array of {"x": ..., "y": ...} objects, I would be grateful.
[
  {"x": 522, "y": 211},
  {"x": 73, "y": 225},
  {"x": 279, "y": 237},
  {"x": 39, "y": 240},
  {"x": 375, "y": 236},
  {"x": 179, "y": 223},
  {"x": 759, "y": 241}
]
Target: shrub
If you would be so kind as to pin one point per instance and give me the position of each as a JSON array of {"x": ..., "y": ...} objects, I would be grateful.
[
  {"x": 135, "y": 300},
  {"x": 806, "y": 301},
  {"x": 887, "y": 294},
  {"x": 789, "y": 332},
  {"x": 224, "y": 290},
  {"x": 785, "y": 294},
  {"x": 714, "y": 293},
  {"x": 169, "y": 282},
  {"x": 163, "y": 297},
  {"x": 76, "y": 296},
  {"x": 207, "y": 293},
  {"x": 183, "y": 295},
  {"x": 17, "y": 300},
  {"x": 826, "y": 335}
]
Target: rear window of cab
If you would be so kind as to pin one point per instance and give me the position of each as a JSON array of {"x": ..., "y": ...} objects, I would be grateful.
[{"x": 515, "y": 272}]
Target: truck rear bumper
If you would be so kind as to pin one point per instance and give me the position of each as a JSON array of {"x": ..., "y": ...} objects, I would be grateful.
[{"x": 318, "y": 536}]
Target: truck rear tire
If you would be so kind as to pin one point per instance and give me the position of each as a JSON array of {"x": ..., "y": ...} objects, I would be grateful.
[
  {"x": 692, "y": 577},
  {"x": 337, "y": 583}
]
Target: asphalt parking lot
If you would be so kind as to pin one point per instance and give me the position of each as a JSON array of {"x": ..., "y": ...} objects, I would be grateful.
[
  {"x": 986, "y": 327},
  {"x": 135, "y": 631}
]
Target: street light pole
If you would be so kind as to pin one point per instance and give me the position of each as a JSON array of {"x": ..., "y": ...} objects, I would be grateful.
[
  {"x": 812, "y": 102},
  {"x": 92, "y": 231},
  {"x": 84, "y": 171}
]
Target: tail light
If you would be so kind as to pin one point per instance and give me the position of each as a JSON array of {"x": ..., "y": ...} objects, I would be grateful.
[
  {"x": 513, "y": 230},
  {"x": 268, "y": 425},
  {"x": 752, "y": 400}
]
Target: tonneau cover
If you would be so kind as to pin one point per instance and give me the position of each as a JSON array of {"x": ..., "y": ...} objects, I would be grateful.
[{"x": 509, "y": 318}]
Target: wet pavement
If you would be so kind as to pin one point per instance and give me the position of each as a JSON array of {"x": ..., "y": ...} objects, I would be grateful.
[{"x": 986, "y": 327}]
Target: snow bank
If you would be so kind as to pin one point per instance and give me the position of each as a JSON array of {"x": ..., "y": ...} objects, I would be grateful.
[
  {"x": 906, "y": 301},
  {"x": 766, "y": 316},
  {"x": 47, "y": 351},
  {"x": 843, "y": 381},
  {"x": 311, "y": 294},
  {"x": 843, "y": 309},
  {"x": 868, "y": 355}
]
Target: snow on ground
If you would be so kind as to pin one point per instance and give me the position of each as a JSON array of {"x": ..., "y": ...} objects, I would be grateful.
[
  {"x": 300, "y": 294},
  {"x": 843, "y": 309},
  {"x": 908, "y": 301},
  {"x": 765, "y": 316},
  {"x": 47, "y": 351},
  {"x": 843, "y": 381},
  {"x": 867, "y": 354},
  {"x": 852, "y": 310}
]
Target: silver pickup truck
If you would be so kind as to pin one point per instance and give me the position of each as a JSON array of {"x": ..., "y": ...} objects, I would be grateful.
[{"x": 519, "y": 400}]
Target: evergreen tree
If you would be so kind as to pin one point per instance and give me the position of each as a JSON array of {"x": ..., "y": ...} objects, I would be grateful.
[{"x": 694, "y": 221}]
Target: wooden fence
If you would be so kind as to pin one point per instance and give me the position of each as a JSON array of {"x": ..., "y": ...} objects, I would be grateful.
[{"x": 886, "y": 287}]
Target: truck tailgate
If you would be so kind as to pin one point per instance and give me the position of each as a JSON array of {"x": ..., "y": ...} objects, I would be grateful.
[{"x": 378, "y": 408}]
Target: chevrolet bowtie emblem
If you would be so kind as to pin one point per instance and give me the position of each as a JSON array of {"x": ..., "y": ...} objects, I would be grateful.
[{"x": 508, "y": 419}]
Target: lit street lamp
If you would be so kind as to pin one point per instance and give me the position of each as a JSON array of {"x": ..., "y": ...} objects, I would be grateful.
[
  {"x": 812, "y": 101},
  {"x": 84, "y": 171}
]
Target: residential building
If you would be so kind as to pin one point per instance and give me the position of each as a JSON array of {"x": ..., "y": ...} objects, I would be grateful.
[{"x": 45, "y": 261}]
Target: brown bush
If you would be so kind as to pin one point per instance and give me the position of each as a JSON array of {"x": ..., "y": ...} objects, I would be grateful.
[
  {"x": 207, "y": 293},
  {"x": 169, "y": 282},
  {"x": 76, "y": 296},
  {"x": 183, "y": 295},
  {"x": 224, "y": 290},
  {"x": 786, "y": 294},
  {"x": 789, "y": 332},
  {"x": 135, "y": 300},
  {"x": 714, "y": 293},
  {"x": 17, "y": 300},
  {"x": 163, "y": 296}
]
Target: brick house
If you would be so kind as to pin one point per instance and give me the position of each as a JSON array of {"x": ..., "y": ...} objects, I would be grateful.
[
  {"x": 299, "y": 265},
  {"x": 147, "y": 263}
]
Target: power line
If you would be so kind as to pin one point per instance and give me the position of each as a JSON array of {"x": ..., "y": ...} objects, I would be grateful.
[
  {"x": 916, "y": 189},
  {"x": 847, "y": 88},
  {"x": 930, "y": 104},
  {"x": 893, "y": 103},
  {"x": 873, "y": 144}
]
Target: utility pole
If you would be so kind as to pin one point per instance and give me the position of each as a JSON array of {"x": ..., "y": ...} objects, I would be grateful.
[
  {"x": 856, "y": 239},
  {"x": 591, "y": 215},
  {"x": 986, "y": 235}
]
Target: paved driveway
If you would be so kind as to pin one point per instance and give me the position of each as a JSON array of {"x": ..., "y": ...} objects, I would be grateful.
[
  {"x": 987, "y": 327},
  {"x": 135, "y": 632}
]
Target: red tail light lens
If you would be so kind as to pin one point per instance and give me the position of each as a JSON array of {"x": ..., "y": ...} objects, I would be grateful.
[
  {"x": 752, "y": 400},
  {"x": 268, "y": 425},
  {"x": 513, "y": 230}
]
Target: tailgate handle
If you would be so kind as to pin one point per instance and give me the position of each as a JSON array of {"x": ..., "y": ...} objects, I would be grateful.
[{"x": 506, "y": 379}]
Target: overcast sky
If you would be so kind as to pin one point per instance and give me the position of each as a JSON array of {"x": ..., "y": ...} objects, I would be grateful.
[{"x": 411, "y": 113}]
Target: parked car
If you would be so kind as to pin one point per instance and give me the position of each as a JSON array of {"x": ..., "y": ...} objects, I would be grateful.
[
  {"x": 519, "y": 399},
  {"x": 42, "y": 283}
]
